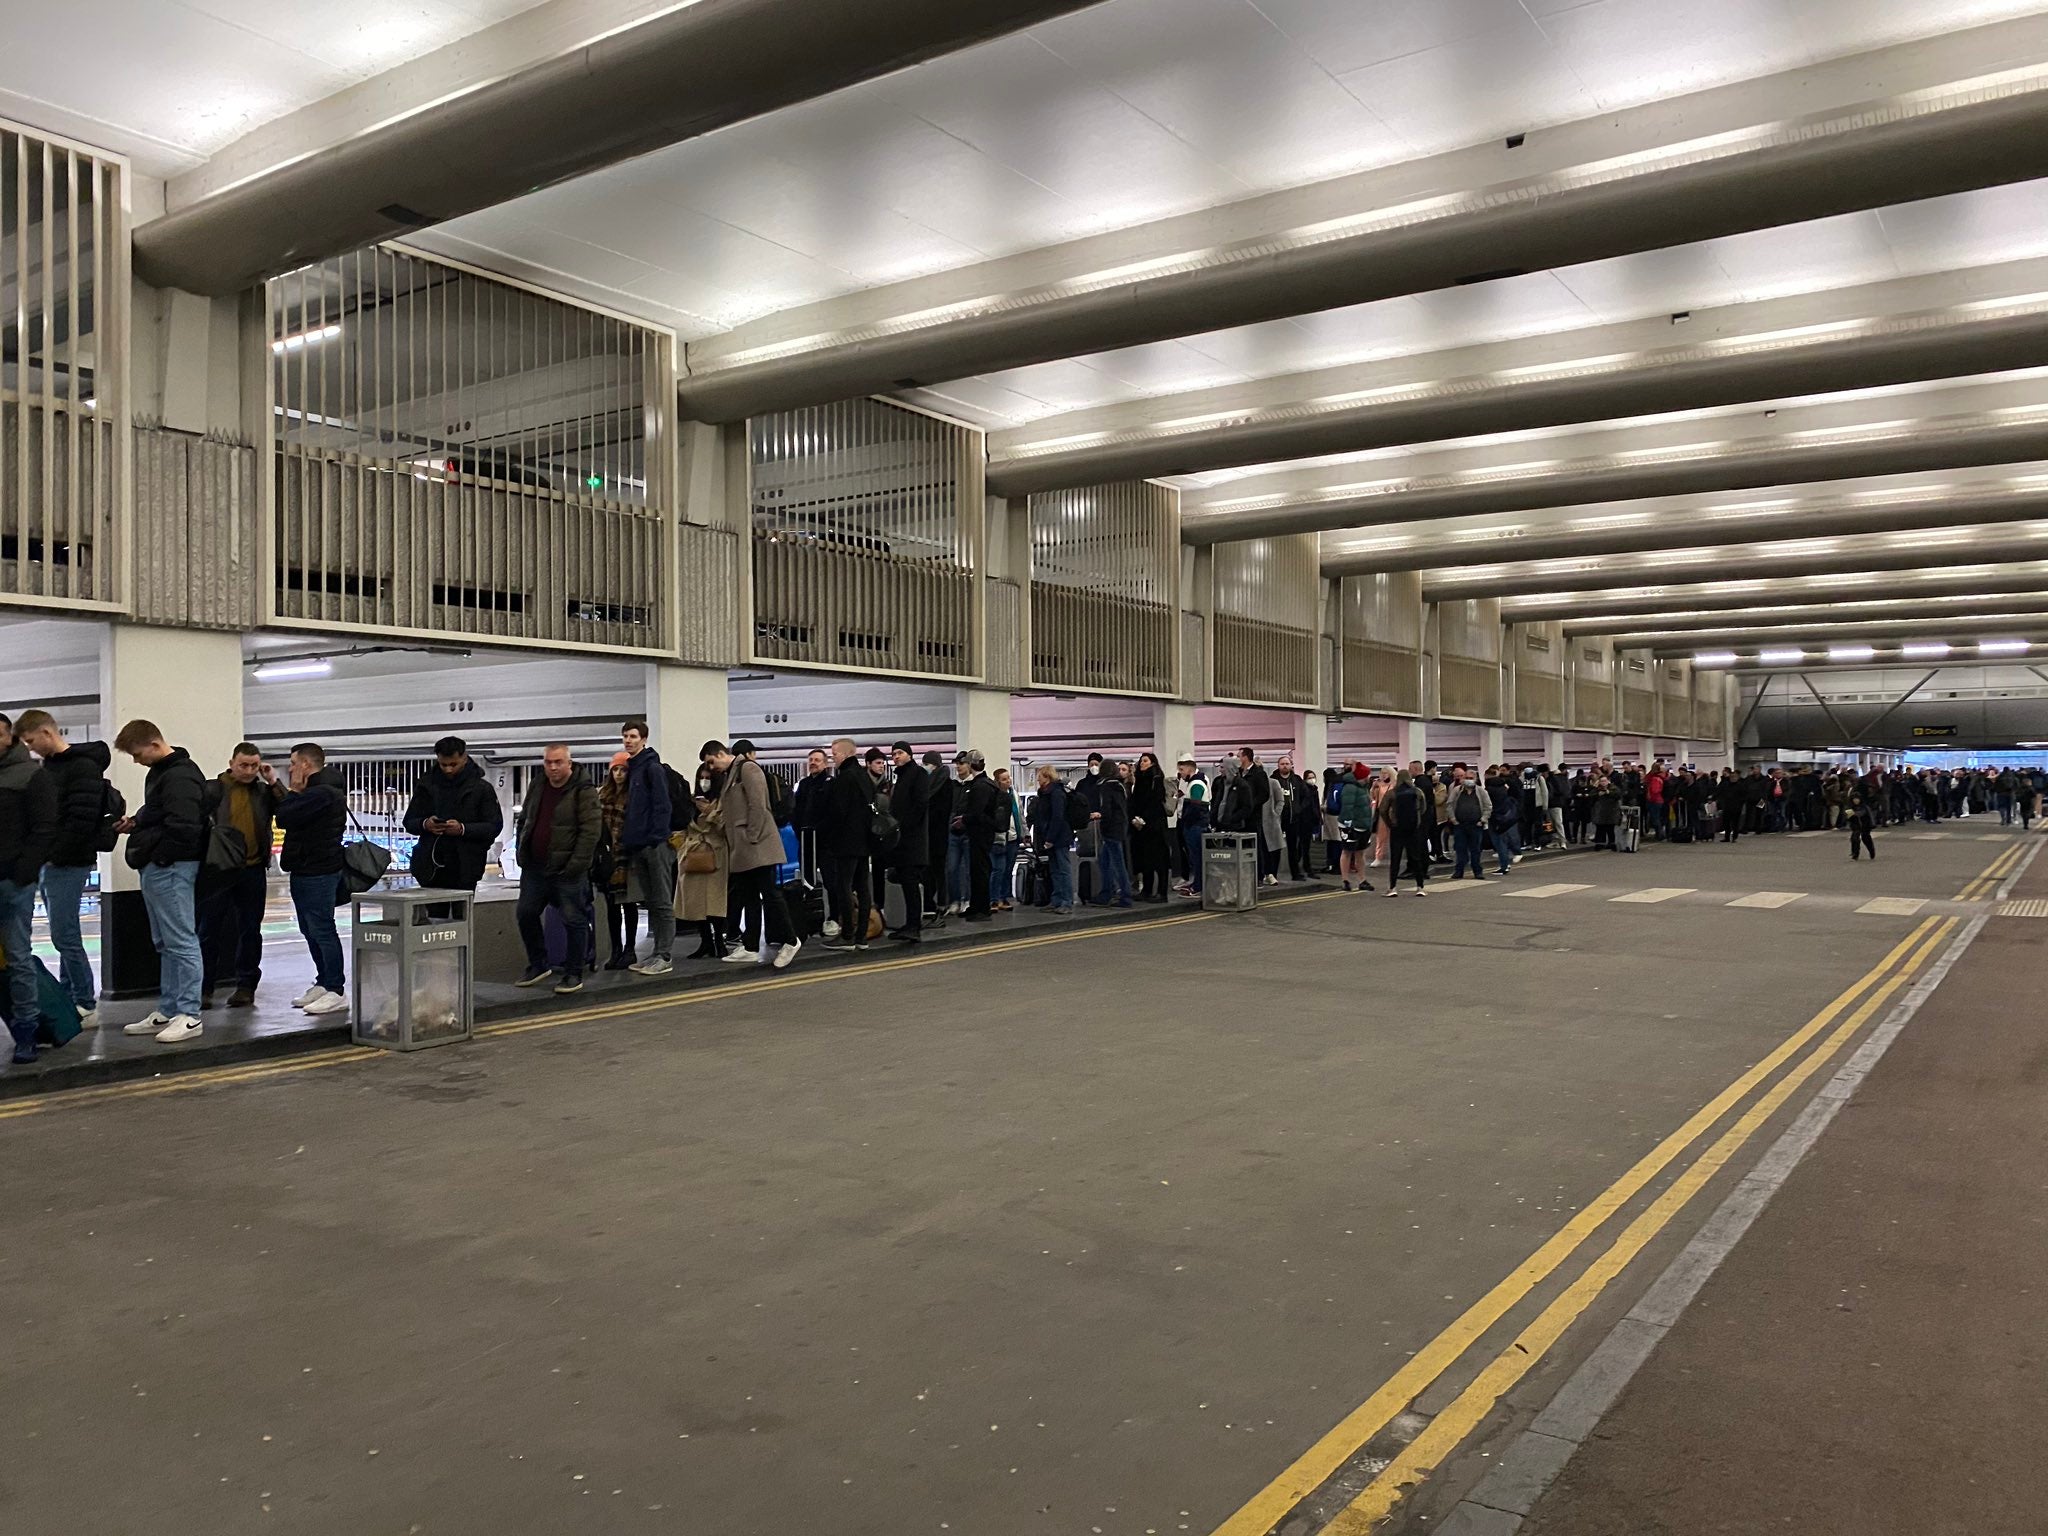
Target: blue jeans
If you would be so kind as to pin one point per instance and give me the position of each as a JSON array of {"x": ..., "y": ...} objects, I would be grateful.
[
  {"x": 168, "y": 892},
  {"x": 1112, "y": 875},
  {"x": 571, "y": 901},
  {"x": 1060, "y": 865},
  {"x": 313, "y": 901},
  {"x": 63, "y": 895},
  {"x": 1469, "y": 842},
  {"x": 1507, "y": 842},
  {"x": 17, "y": 915},
  {"x": 956, "y": 868},
  {"x": 1191, "y": 838},
  {"x": 1002, "y": 872}
]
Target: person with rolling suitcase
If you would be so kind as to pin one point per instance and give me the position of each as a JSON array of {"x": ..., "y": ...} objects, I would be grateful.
[{"x": 28, "y": 831}]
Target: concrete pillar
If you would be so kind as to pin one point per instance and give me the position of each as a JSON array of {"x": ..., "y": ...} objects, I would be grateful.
[
  {"x": 1553, "y": 747},
  {"x": 686, "y": 707},
  {"x": 1411, "y": 742},
  {"x": 1173, "y": 732},
  {"x": 982, "y": 724},
  {"x": 1492, "y": 745},
  {"x": 1311, "y": 743},
  {"x": 1603, "y": 746}
]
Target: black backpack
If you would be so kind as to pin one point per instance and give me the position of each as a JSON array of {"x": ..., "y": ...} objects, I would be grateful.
[
  {"x": 778, "y": 798},
  {"x": 682, "y": 803},
  {"x": 883, "y": 832},
  {"x": 1077, "y": 812},
  {"x": 112, "y": 809}
]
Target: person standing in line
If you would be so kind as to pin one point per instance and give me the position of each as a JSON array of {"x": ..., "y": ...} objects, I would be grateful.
[
  {"x": 702, "y": 857},
  {"x": 1304, "y": 826},
  {"x": 166, "y": 842},
  {"x": 1191, "y": 820},
  {"x": 1470, "y": 809},
  {"x": 754, "y": 844},
  {"x": 939, "y": 785},
  {"x": 454, "y": 815},
  {"x": 314, "y": 815},
  {"x": 1408, "y": 813},
  {"x": 1355, "y": 819},
  {"x": 807, "y": 806},
  {"x": 28, "y": 831},
  {"x": 1504, "y": 818},
  {"x": 844, "y": 845},
  {"x": 1053, "y": 836},
  {"x": 559, "y": 824},
  {"x": 609, "y": 872},
  {"x": 977, "y": 825},
  {"x": 78, "y": 773},
  {"x": 1002, "y": 879},
  {"x": 909, "y": 803},
  {"x": 1112, "y": 818},
  {"x": 1271, "y": 825},
  {"x": 651, "y": 817},
  {"x": 231, "y": 906},
  {"x": 1148, "y": 828}
]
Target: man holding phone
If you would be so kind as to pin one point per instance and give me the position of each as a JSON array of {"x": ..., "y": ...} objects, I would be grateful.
[{"x": 454, "y": 814}]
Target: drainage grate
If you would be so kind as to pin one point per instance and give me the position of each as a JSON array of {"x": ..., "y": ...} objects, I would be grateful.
[{"x": 2033, "y": 906}]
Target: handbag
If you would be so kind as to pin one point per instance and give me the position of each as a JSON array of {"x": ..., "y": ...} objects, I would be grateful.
[
  {"x": 363, "y": 864},
  {"x": 700, "y": 860}
]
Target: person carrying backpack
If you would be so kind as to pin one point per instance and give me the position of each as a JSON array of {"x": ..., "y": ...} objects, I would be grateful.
[{"x": 88, "y": 809}]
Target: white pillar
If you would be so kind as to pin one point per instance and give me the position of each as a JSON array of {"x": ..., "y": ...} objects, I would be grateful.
[
  {"x": 1603, "y": 746},
  {"x": 1311, "y": 743},
  {"x": 1553, "y": 748},
  {"x": 186, "y": 682},
  {"x": 1173, "y": 732},
  {"x": 686, "y": 707},
  {"x": 1492, "y": 745},
  {"x": 1411, "y": 742},
  {"x": 982, "y": 724}
]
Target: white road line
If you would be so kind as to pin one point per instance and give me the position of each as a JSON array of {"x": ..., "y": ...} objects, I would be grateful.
[
  {"x": 1656, "y": 893},
  {"x": 1892, "y": 906},
  {"x": 1995, "y": 837},
  {"x": 1929, "y": 837},
  {"x": 1768, "y": 900},
  {"x": 1538, "y": 892}
]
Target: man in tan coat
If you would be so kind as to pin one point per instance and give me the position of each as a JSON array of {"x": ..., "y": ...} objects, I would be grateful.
[{"x": 754, "y": 837}]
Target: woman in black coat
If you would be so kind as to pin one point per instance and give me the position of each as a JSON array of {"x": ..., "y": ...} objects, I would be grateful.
[{"x": 1148, "y": 828}]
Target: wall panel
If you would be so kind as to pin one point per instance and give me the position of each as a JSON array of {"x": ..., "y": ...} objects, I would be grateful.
[
  {"x": 1468, "y": 659},
  {"x": 198, "y": 544},
  {"x": 1381, "y": 620},
  {"x": 1674, "y": 698},
  {"x": 1540, "y": 653},
  {"x": 1268, "y": 617},
  {"x": 1592, "y": 696},
  {"x": 1638, "y": 688},
  {"x": 64, "y": 448},
  {"x": 1105, "y": 588}
]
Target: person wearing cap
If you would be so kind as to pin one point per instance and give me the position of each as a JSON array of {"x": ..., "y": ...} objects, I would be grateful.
[
  {"x": 909, "y": 802},
  {"x": 754, "y": 851},
  {"x": 978, "y": 820}
]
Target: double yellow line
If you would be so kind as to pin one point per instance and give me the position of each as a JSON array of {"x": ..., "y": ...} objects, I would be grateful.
[{"x": 1833, "y": 1027}]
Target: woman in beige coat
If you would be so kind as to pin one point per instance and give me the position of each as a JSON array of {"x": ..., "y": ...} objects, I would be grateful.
[{"x": 700, "y": 893}]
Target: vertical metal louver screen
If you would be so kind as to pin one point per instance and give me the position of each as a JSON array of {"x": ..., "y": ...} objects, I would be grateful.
[
  {"x": 867, "y": 529},
  {"x": 1468, "y": 659},
  {"x": 1593, "y": 690},
  {"x": 1105, "y": 588},
  {"x": 1709, "y": 689},
  {"x": 1638, "y": 695},
  {"x": 1539, "y": 651},
  {"x": 1267, "y": 614},
  {"x": 1674, "y": 699},
  {"x": 64, "y": 452},
  {"x": 455, "y": 455},
  {"x": 1382, "y": 661},
  {"x": 197, "y": 551}
]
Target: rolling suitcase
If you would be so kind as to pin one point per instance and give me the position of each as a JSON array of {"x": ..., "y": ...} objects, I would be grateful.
[
  {"x": 1628, "y": 837},
  {"x": 806, "y": 904}
]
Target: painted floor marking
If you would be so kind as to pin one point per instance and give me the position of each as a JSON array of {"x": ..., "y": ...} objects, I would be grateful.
[
  {"x": 1928, "y": 837},
  {"x": 1770, "y": 901},
  {"x": 1538, "y": 892},
  {"x": 1656, "y": 893},
  {"x": 2030, "y": 906},
  {"x": 1892, "y": 906}
]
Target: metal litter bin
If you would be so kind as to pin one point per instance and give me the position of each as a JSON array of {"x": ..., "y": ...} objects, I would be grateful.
[
  {"x": 1230, "y": 871},
  {"x": 412, "y": 969}
]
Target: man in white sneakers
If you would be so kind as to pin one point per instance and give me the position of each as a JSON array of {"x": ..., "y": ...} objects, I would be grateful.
[
  {"x": 748, "y": 804},
  {"x": 314, "y": 815},
  {"x": 166, "y": 842}
]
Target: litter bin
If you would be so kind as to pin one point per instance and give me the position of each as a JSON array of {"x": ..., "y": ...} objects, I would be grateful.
[
  {"x": 412, "y": 968},
  {"x": 1230, "y": 871}
]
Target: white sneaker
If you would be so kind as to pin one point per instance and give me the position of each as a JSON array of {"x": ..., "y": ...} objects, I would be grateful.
[
  {"x": 787, "y": 953},
  {"x": 308, "y": 995},
  {"x": 327, "y": 1002},
  {"x": 653, "y": 965},
  {"x": 149, "y": 1026},
  {"x": 183, "y": 1027},
  {"x": 741, "y": 957},
  {"x": 88, "y": 1018},
  {"x": 831, "y": 929}
]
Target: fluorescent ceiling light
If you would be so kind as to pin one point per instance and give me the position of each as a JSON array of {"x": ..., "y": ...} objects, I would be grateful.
[
  {"x": 1930, "y": 650},
  {"x": 278, "y": 671},
  {"x": 305, "y": 338},
  {"x": 1851, "y": 652},
  {"x": 1714, "y": 659},
  {"x": 2000, "y": 647},
  {"x": 1780, "y": 658}
]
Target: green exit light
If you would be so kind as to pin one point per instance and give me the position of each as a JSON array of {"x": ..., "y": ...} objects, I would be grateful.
[{"x": 595, "y": 482}]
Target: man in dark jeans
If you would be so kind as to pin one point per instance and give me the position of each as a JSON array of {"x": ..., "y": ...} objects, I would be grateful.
[
  {"x": 454, "y": 813},
  {"x": 978, "y": 821},
  {"x": 843, "y": 845},
  {"x": 314, "y": 815},
  {"x": 231, "y": 905},
  {"x": 558, "y": 826},
  {"x": 28, "y": 830},
  {"x": 909, "y": 803}
]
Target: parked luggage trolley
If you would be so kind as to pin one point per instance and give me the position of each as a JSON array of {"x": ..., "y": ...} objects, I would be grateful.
[
  {"x": 1230, "y": 871},
  {"x": 412, "y": 969},
  {"x": 1628, "y": 837}
]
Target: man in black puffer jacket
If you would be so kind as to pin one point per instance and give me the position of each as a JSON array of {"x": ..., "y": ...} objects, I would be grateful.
[
  {"x": 28, "y": 827},
  {"x": 166, "y": 841},
  {"x": 78, "y": 772},
  {"x": 455, "y": 815},
  {"x": 314, "y": 815}
]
